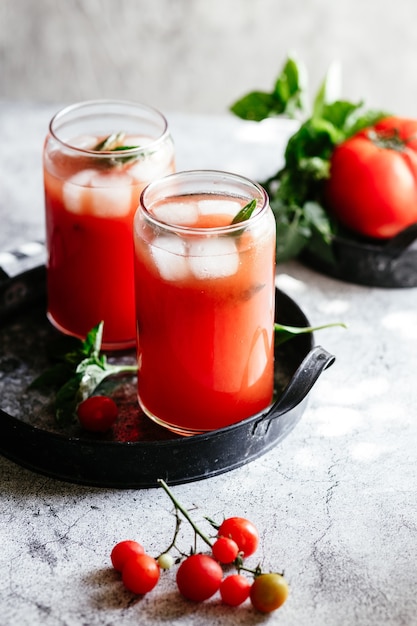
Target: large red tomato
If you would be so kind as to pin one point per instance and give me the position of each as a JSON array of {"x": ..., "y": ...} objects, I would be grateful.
[{"x": 372, "y": 188}]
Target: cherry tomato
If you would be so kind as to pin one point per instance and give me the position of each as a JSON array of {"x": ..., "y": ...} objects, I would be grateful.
[
  {"x": 199, "y": 577},
  {"x": 165, "y": 561},
  {"x": 243, "y": 532},
  {"x": 122, "y": 551},
  {"x": 225, "y": 550},
  {"x": 372, "y": 189},
  {"x": 140, "y": 573},
  {"x": 268, "y": 592},
  {"x": 97, "y": 413},
  {"x": 235, "y": 589}
]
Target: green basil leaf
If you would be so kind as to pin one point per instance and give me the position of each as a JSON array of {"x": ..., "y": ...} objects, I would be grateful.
[
  {"x": 109, "y": 143},
  {"x": 287, "y": 97},
  {"x": 285, "y": 333},
  {"x": 255, "y": 106},
  {"x": 53, "y": 377},
  {"x": 66, "y": 400},
  {"x": 245, "y": 212},
  {"x": 78, "y": 375}
]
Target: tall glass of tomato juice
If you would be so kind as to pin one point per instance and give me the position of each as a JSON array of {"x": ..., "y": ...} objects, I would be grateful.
[
  {"x": 98, "y": 157},
  {"x": 204, "y": 300}
]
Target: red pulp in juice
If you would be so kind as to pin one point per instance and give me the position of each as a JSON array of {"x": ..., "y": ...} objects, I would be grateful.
[{"x": 205, "y": 343}]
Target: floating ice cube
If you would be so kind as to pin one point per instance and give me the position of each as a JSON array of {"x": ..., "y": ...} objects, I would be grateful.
[
  {"x": 154, "y": 164},
  {"x": 85, "y": 142},
  {"x": 136, "y": 141},
  {"x": 179, "y": 213},
  {"x": 111, "y": 195},
  {"x": 219, "y": 207},
  {"x": 74, "y": 190},
  {"x": 213, "y": 258},
  {"x": 169, "y": 255}
]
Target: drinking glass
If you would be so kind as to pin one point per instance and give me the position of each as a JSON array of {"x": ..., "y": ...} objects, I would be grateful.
[
  {"x": 98, "y": 157},
  {"x": 205, "y": 290}
]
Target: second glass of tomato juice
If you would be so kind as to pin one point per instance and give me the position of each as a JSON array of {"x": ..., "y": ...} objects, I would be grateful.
[
  {"x": 205, "y": 295},
  {"x": 98, "y": 157}
]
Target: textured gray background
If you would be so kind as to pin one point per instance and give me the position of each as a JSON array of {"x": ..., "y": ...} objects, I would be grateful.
[{"x": 200, "y": 55}]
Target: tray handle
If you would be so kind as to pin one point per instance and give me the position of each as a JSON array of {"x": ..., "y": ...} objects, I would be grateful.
[
  {"x": 305, "y": 377},
  {"x": 18, "y": 260}
]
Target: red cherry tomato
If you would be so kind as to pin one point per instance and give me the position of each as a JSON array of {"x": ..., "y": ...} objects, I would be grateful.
[
  {"x": 199, "y": 577},
  {"x": 268, "y": 592},
  {"x": 372, "y": 189},
  {"x": 140, "y": 573},
  {"x": 234, "y": 589},
  {"x": 122, "y": 551},
  {"x": 97, "y": 413},
  {"x": 225, "y": 550},
  {"x": 243, "y": 532}
]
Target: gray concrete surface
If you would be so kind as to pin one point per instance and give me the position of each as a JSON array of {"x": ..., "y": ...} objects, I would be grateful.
[{"x": 335, "y": 501}]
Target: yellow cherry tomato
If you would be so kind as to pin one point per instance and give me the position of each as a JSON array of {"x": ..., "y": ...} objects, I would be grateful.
[{"x": 269, "y": 592}]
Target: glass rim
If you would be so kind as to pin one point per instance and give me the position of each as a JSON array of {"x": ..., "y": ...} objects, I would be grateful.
[
  {"x": 261, "y": 207},
  {"x": 84, "y": 104}
]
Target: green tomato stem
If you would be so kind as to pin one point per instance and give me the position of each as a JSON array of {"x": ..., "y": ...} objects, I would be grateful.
[
  {"x": 240, "y": 567},
  {"x": 184, "y": 511}
]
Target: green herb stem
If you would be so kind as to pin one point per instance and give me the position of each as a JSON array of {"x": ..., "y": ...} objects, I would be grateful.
[
  {"x": 285, "y": 333},
  {"x": 179, "y": 507}
]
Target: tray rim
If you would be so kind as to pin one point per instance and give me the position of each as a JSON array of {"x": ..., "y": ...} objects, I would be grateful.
[{"x": 385, "y": 278}]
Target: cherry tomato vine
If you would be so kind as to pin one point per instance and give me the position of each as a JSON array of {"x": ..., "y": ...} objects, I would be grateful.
[{"x": 200, "y": 575}]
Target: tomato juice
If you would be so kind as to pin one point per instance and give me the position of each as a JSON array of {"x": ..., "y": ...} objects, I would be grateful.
[
  {"x": 205, "y": 309},
  {"x": 90, "y": 199}
]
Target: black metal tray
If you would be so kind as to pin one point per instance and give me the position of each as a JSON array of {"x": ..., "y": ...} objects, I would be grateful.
[
  {"x": 390, "y": 264},
  {"x": 136, "y": 452}
]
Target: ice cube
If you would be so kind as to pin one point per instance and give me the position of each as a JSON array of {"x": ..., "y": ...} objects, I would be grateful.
[
  {"x": 213, "y": 258},
  {"x": 112, "y": 194},
  {"x": 219, "y": 207},
  {"x": 169, "y": 255},
  {"x": 179, "y": 213},
  {"x": 74, "y": 190},
  {"x": 153, "y": 164},
  {"x": 136, "y": 141},
  {"x": 85, "y": 142}
]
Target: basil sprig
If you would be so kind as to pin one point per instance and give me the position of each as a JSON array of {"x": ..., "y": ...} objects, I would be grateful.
[
  {"x": 78, "y": 371},
  {"x": 296, "y": 190},
  {"x": 113, "y": 143}
]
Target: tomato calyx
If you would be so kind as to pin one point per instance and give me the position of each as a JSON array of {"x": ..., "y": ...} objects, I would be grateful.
[{"x": 388, "y": 139}]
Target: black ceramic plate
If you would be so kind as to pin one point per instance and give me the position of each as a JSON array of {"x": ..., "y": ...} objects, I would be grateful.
[
  {"x": 390, "y": 264},
  {"x": 136, "y": 452}
]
